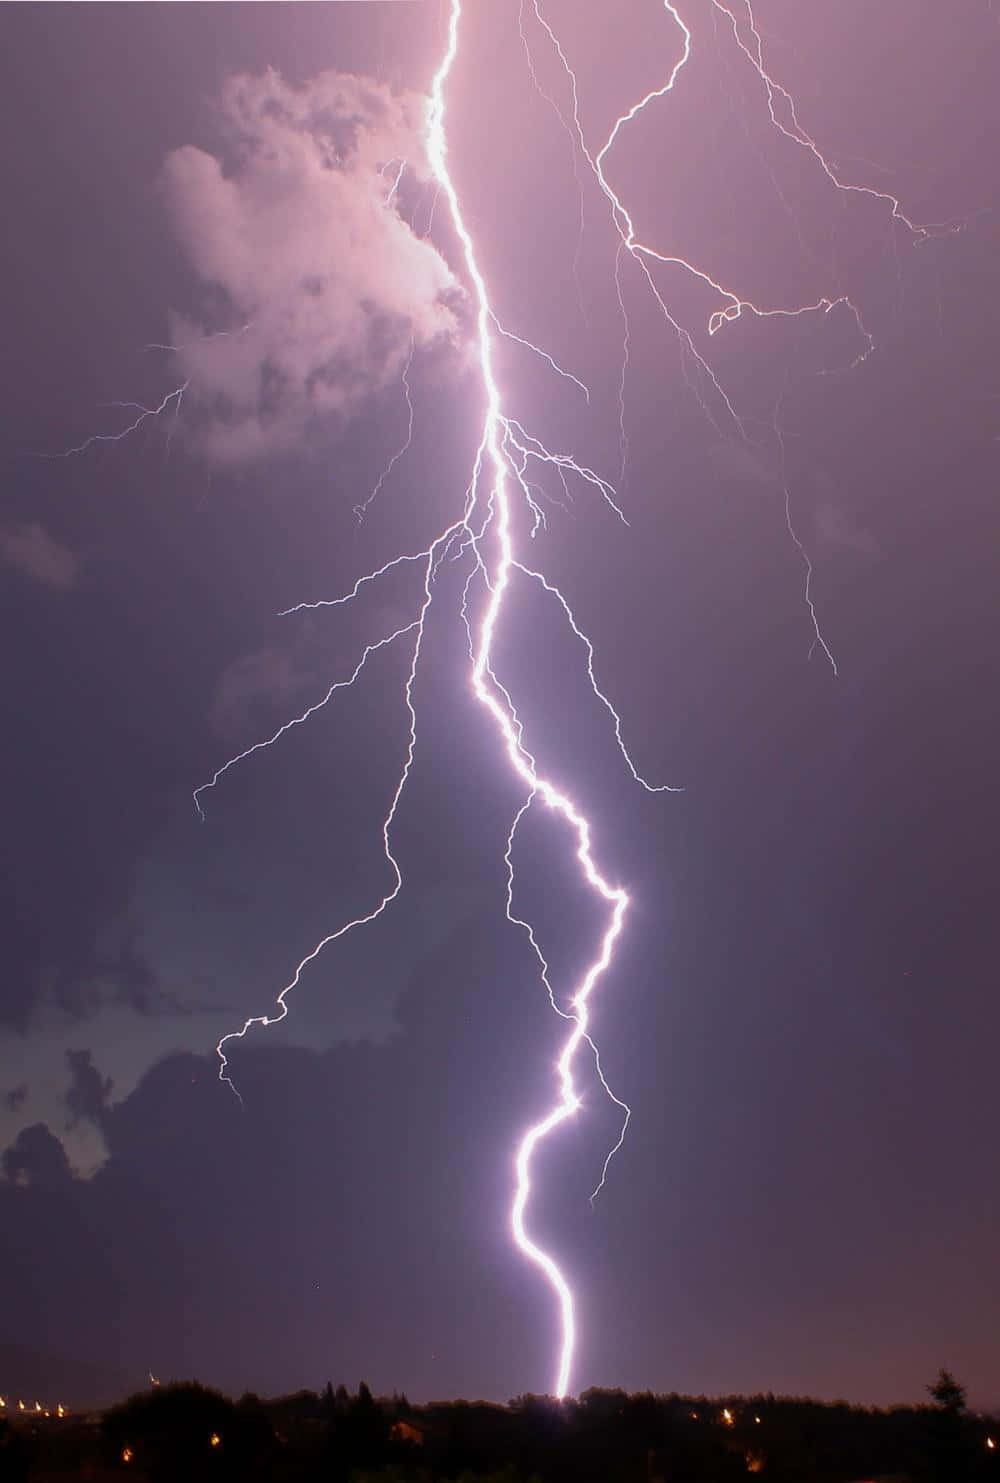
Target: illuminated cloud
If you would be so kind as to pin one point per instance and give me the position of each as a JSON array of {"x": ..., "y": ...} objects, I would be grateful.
[
  {"x": 29, "y": 549},
  {"x": 318, "y": 285}
]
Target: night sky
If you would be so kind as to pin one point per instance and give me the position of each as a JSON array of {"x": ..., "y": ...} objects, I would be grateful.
[{"x": 803, "y": 1013}]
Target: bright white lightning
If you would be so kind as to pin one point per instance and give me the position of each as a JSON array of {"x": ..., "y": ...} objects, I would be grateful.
[
  {"x": 505, "y": 454},
  {"x": 498, "y": 438}
]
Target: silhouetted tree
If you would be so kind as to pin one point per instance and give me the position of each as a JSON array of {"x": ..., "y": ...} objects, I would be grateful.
[
  {"x": 947, "y": 1393},
  {"x": 368, "y": 1429},
  {"x": 13, "y": 1454},
  {"x": 188, "y": 1431},
  {"x": 604, "y": 1437},
  {"x": 949, "y": 1455},
  {"x": 357, "y": 1432}
]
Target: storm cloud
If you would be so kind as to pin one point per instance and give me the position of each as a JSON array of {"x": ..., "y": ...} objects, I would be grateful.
[{"x": 316, "y": 286}]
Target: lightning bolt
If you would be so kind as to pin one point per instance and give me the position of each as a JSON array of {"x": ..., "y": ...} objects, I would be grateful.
[
  {"x": 499, "y": 437},
  {"x": 485, "y": 532},
  {"x": 502, "y": 497},
  {"x": 512, "y": 473}
]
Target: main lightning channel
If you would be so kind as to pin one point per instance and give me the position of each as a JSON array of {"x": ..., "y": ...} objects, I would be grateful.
[
  {"x": 506, "y": 450},
  {"x": 496, "y": 441}
]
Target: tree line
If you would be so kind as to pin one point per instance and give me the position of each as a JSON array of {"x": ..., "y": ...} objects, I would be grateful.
[{"x": 189, "y": 1433}]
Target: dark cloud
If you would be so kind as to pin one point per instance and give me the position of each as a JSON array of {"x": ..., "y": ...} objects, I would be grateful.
[
  {"x": 37, "y": 1160},
  {"x": 89, "y": 1092},
  {"x": 16, "y": 1097},
  {"x": 28, "y": 548}
]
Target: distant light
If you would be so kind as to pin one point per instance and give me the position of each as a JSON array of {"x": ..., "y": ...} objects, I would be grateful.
[
  {"x": 990, "y": 1443},
  {"x": 214, "y": 1439},
  {"x": 60, "y": 1410},
  {"x": 694, "y": 1415},
  {"x": 38, "y": 1405},
  {"x": 127, "y": 1454},
  {"x": 727, "y": 1416},
  {"x": 3, "y": 1403},
  {"x": 757, "y": 1420},
  {"x": 20, "y": 1405}
]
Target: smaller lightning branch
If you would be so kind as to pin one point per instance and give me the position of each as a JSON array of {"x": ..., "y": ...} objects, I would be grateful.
[
  {"x": 298, "y": 720},
  {"x": 733, "y": 306},
  {"x": 553, "y": 591},
  {"x": 362, "y": 509},
  {"x": 397, "y": 179},
  {"x": 818, "y": 640},
  {"x": 172, "y": 398},
  {"x": 623, "y": 374},
  {"x": 544, "y": 355},
  {"x": 793, "y": 131},
  {"x": 202, "y": 339},
  {"x": 571, "y": 136},
  {"x": 417, "y": 628}
]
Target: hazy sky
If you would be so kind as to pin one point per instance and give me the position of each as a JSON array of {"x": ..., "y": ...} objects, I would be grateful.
[{"x": 803, "y": 1014}]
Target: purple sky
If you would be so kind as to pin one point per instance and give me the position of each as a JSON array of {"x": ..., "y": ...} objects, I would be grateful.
[{"x": 803, "y": 1014}]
